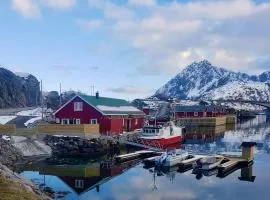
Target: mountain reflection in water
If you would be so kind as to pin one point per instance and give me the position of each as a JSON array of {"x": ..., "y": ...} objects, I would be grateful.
[{"x": 106, "y": 179}]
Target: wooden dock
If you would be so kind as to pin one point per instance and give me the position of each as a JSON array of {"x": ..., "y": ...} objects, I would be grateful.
[{"x": 137, "y": 154}]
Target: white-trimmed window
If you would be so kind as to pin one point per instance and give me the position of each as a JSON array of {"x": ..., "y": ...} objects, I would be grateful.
[
  {"x": 93, "y": 121},
  {"x": 57, "y": 120},
  {"x": 78, "y": 121},
  {"x": 78, "y": 106},
  {"x": 65, "y": 121},
  {"x": 136, "y": 121},
  {"x": 79, "y": 183},
  {"x": 196, "y": 114}
]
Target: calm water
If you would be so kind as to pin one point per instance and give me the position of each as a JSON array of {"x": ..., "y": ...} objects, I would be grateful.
[{"x": 105, "y": 180}]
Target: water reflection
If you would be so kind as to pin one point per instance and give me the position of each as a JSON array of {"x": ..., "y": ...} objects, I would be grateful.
[
  {"x": 79, "y": 178},
  {"x": 106, "y": 179}
]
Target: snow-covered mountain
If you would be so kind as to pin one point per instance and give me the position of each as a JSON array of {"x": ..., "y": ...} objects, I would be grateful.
[{"x": 202, "y": 80}]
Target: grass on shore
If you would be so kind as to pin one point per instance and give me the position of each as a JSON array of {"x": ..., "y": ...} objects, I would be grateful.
[{"x": 11, "y": 190}]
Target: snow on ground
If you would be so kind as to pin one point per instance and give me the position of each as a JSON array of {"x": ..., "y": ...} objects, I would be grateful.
[
  {"x": 32, "y": 120},
  {"x": 120, "y": 108},
  {"x": 6, "y": 137},
  {"x": 30, "y": 147},
  {"x": 6, "y": 119},
  {"x": 22, "y": 74},
  {"x": 33, "y": 112}
]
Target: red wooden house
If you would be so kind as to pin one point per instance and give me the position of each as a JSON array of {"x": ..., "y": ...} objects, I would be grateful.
[
  {"x": 114, "y": 116},
  {"x": 199, "y": 111}
]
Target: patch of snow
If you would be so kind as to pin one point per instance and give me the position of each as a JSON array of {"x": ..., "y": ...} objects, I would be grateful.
[
  {"x": 6, "y": 137},
  {"x": 29, "y": 147},
  {"x": 6, "y": 119},
  {"x": 32, "y": 120},
  {"x": 34, "y": 112},
  {"x": 120, "y": 108},
  {"x": 22, "y": 74}
]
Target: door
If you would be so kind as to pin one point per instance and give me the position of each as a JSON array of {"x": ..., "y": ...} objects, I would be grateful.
[{"x": 128, "y": 125}]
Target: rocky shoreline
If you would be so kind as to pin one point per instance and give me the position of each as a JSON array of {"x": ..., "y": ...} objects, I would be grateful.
[
  {"x": 12, "y": 185},
  {"x": 17, "y": 150}
]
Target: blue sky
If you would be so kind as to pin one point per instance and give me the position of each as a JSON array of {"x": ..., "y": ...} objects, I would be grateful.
[{"x": 129, "y": 48}]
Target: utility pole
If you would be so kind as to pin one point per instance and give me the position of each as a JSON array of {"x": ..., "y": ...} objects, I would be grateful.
[
  {"x": 60, "y": 95},
  {"x": 41, "y": 101}
]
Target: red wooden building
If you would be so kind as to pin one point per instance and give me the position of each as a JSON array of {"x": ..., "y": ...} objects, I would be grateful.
[
  {"x": 199, "y": 111},
  {"x": 114, "y": 116}
]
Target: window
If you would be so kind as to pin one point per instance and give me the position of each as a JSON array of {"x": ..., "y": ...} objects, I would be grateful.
[
  {"x": 78, "y": 106},
  {"x": 78, "y": 121},
  {"x": 65, "y": 121},
  {"x": 196, "y": 114},
  {"x": 57, "y": 120},
  {"x": 79, "y": 183},
  {"x": 136, "y": 121},
  {"x": 93, "y": 121}
]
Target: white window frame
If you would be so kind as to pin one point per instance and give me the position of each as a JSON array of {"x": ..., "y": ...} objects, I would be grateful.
[
  {"x": 57, "y": 120},
  {"x": 91, "y": 121},
  {"x": 136, "y": 121},
  {"x": 62, "y": 121},
  {"x": 78, "y": 106},
  {"x": 79, "y": 183},
  {"x": 196, "y": 114},
  {"x": 78, "y": 121}
]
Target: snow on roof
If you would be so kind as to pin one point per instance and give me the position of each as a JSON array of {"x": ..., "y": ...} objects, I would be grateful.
[
  {"x": 33, "y": 112},
  {"x": 6, "y": 119},
  {"x": 32, "y": 120},
  {"x": 118, "y": 109}
]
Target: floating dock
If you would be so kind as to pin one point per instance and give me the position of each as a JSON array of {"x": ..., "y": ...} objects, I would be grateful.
[{"x": 135, "y": 155}]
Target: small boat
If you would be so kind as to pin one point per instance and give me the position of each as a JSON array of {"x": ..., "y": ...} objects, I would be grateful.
[
  {"x": 151, "y": 160},
  {"x": 162, "y": 136},
  {"x": 210, "y": 162},
  {"x": 172, "y": 158}
]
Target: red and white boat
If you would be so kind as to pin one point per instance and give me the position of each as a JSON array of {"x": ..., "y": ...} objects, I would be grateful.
[{"x": 163, "y": 136}]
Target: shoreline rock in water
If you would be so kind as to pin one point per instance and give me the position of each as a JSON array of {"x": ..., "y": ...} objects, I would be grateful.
[
  {"x": 63, "y": 146},
  {"x": 12, "y": 185}
]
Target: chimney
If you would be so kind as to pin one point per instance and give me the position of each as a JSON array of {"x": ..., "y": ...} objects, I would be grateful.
[{"x": 97, "y": 95}]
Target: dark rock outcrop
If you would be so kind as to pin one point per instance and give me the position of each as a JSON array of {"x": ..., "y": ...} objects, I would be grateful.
[
  {"x": 8, "y": 154},
  {"x": 18, "y": 91},
  {"x": 75, "y": 146}
]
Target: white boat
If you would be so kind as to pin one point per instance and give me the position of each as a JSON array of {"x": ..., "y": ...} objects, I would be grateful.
[
  {"x": 210, "y": 162},
  {"x": 162, "y": 135},
  {"x": 172, "y": 158}
]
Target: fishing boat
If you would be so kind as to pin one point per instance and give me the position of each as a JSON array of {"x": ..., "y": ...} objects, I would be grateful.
[
  {"x": 162, "y": 136},
  {"x": 210, "y": 162},
  {"x": 172, "y": 158}
]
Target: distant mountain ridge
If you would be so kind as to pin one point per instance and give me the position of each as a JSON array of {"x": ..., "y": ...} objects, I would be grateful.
[
  {"x": 19, "y": 90},
  {"x": 203, "y": 81}
]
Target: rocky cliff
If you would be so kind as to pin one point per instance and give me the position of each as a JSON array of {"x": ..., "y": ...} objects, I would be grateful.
[{"x": 18, "y": 90}]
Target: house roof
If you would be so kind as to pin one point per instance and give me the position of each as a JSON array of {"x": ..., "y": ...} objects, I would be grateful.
[{"x": 111, "y": 106}]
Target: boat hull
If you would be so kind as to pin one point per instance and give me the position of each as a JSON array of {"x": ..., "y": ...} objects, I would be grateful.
[{"x": 163, "y": 142}]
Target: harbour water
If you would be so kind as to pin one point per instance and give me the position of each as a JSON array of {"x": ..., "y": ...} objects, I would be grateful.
[{"x": 104, "y": 179}]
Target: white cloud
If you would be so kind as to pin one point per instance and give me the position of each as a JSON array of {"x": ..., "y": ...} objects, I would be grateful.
[
  {"x": 96, "y": 3},
  {"x": 142, "y": 3},
  {"x": 27, "y": 8},
  {"x": 130, "y": 89},
  {"x": 230, "y": 33},
  {"x": 113, "y": 11},
  {"x": 89, "y": 24},
  {"x": 59, "y": 4}
]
